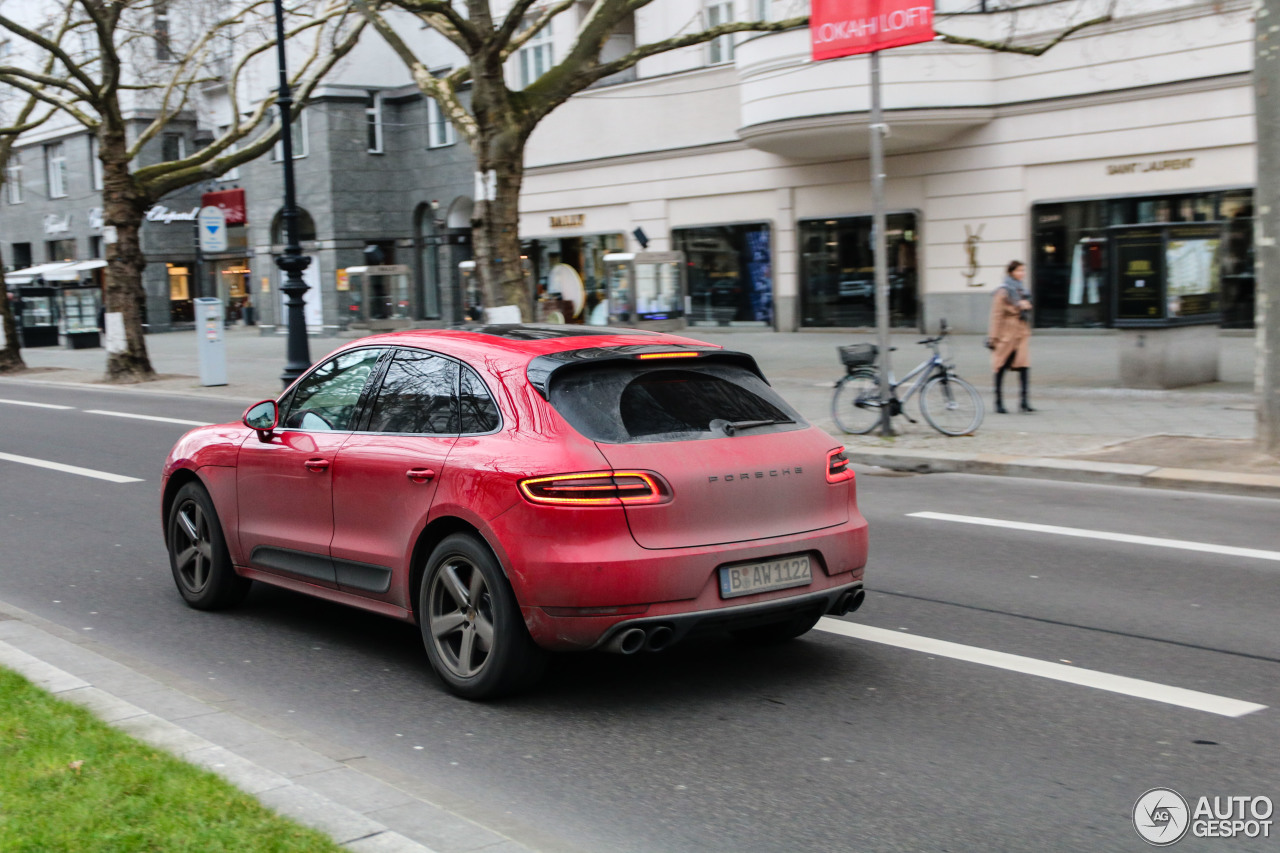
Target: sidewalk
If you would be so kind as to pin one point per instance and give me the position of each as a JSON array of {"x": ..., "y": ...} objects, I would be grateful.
[{"x": 1086, "y": 426}]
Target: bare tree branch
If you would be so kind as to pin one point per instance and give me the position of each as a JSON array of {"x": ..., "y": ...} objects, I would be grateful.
[{"x": 1035, "y": 50}]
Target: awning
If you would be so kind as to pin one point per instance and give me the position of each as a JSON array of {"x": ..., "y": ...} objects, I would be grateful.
[
  {"x": 73, "y": 272},
  {"x": 30, "y": 274}
]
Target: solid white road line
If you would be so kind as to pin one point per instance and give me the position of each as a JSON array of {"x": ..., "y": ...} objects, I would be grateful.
[
  {"x": 1181, "y": 544},
  {"x": 68, "y": 469},
  {"x": 147, "y": 418},
  {"x": 1179, "y": 696},
  {"x": 35, "y": 405}
]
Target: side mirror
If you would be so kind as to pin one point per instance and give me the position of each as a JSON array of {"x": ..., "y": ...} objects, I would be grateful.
[{"x": 262, "y": 418}]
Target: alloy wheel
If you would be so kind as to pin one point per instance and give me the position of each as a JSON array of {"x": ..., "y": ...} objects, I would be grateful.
[
  {"x": 461, "y": 617},
  {"x": 192, "y": 546}
]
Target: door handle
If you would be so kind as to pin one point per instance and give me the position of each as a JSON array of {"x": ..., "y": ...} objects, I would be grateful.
[
  {"x": 421, "y": 475},
  {"x": 316, "y": 465}
]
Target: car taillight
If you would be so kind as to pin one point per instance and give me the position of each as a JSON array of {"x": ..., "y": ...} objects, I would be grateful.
[
  {"x": 595, "y": 488},
  {"x": 838, "y": 469},
  {"x": 652, "y": 355}
]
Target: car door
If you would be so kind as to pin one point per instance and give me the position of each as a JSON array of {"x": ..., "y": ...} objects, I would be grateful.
[
  {"x": 284, "y": 484},
  {"x": 385, "y": 476}
]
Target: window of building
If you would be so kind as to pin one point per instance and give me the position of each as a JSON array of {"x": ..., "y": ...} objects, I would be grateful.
[
  {"x": 164, "y": 50},
  {"x": 55, "y": 162},
  {"x": 439, "y": 128},
  {"x": 838, "y": 271},
  {"x": 60, "y": 250},
  {"x": 1073, "y": 250},
  {"x": 536, "y": 57},
  {"x": 95, "y": 164},
  {"x": 21, "y": 255},
  {"x": 298, "y": 139},
  {"x": 6, "y": 49},
  {"x": 760, "y": 9},
  {"x": 730, "y": 273},
  {"x": 95, "y": 247},
  {"x": 720, "y": 49},
  {"x": 13, "y": 179},
  {"x": 373, "y": 122},
  {"x": 232, "y": 174},
  {"x": 172, "y": 147}
]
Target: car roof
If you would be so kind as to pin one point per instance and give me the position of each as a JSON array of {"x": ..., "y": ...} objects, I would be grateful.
[{"x": 520, "y": 343}]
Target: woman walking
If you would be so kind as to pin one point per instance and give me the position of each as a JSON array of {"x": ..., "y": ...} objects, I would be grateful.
[{"x": 1009, "y": 334}]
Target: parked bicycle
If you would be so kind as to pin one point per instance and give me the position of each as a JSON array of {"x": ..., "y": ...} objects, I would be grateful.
[{"x": 950, "y": 405}]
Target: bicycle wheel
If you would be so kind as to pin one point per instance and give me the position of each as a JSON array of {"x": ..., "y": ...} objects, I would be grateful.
[
  {"x": 855, "y": 406},
  {"x": 951, "y": 405}
]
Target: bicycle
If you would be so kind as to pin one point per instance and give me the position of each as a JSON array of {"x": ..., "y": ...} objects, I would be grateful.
[{"x": 950, "y": 405}]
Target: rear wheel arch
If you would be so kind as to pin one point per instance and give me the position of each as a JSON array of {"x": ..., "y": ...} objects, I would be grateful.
[{"x": 432, "y": 535}]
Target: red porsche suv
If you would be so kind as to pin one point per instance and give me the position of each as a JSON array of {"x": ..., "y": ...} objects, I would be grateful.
[{"x": 517, "y": 489}]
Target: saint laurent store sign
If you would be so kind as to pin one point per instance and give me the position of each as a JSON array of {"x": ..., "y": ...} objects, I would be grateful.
[
  {"x": 1139, "y": 166},
  {"x": 568, "y": 220}
]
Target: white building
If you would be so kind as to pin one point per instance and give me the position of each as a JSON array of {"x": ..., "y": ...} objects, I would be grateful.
[{"x": 753, "y": 160}]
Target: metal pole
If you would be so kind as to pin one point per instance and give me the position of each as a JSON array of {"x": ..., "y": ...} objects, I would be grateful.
[
  {"x": 292, "y": 262},
  {"x": 198, "y": 278},
  {"x": 881, "y": 248}
]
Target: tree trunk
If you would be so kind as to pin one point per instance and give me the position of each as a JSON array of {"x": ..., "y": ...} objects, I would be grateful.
[
  {"x": 496, "y": 232},
  {"x": 123, "y": 207},
  {"x": 1267, "y": 225},
  {"x": 11, "y": 353},
  {"x": 498, "y": 148}
]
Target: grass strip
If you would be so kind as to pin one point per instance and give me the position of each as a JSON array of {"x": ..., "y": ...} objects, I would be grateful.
[{"x": 69, "y": 782}]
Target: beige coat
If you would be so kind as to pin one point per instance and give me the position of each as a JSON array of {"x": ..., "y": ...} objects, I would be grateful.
[{"x": 1008, "y": 332}]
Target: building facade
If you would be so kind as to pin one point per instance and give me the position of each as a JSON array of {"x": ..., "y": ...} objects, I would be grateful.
[{"x": 753, "y": 161}]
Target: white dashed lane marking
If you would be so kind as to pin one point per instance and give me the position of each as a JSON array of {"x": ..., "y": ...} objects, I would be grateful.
[
  {"x": 155, "y": 418},
  {"x": 1080, "y": 533},
  {"x": 36, "y": 405},
  {"x": 68, "y": 469},
  {"x": 1123, "y": 685}
]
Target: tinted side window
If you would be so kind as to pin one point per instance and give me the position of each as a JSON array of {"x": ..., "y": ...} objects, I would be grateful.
[
  {"x": 479, "y": 412},
  {"x": 328, "y": 397},
  {"x": 418, "y": 395}
]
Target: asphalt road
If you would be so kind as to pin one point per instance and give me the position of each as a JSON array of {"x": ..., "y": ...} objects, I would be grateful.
[{"x": 829, "y": 743}]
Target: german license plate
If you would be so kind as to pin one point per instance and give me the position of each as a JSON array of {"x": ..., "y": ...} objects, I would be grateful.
[{"x": 762, "y": 577}]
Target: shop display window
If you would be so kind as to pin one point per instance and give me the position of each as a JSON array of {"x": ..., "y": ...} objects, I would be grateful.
[
  {"x": 730, "y": 273},
  {"x": 838, "y": 271}
]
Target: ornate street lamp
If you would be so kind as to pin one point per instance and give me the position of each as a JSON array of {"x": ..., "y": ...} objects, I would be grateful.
[{"x": 291, "y": 262}]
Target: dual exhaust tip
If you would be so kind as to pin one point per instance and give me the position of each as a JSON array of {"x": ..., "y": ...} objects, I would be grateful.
[
  {"x": 632, "y": 640},
  {"x": 657, "y": 637},
  {"x": 848, "y": 602}
]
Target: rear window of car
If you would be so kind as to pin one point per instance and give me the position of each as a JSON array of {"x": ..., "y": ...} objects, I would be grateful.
[{"x": 630, "y": 403}]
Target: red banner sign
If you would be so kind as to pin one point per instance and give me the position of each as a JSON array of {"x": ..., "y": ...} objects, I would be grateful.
[
  {"x": 849, "y": 27},
  {"x": 231, "y": 202}
]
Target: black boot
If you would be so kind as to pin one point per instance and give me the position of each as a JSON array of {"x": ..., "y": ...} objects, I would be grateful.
[
  {"x": 1000, "y": 409},
  {"x": 1024, "y": 380}
]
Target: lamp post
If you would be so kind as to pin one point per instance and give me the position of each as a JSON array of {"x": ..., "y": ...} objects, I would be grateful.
[{"x": 291, "y": 262}]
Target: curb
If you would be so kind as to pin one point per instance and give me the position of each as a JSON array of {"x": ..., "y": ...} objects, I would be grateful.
[
  {"x": 1070, "y": 470},
  {"x": 359, "y": 811}
]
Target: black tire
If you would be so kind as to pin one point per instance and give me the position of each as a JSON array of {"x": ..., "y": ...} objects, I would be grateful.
[
  {"x": 855, "y": 407},
  {"x": 779, "y": 632},
  {"x": 951, "y": 405},
  {"x": 198, "y": 553},
  {"x": 471, "y": 623}
]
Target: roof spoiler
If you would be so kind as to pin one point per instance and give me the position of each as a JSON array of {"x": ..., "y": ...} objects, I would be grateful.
[{"x": 542, "y": 368}]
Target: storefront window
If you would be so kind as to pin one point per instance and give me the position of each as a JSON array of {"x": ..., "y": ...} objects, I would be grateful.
[
  {"x": 233, "y": 286},
  {"x": 838, "y": 271},
  {"x": 1074, "y": 244},
  {"x": 180, "y": 306},
  {"x": 570, "y": 278},
  {"x": 730, "y": 273}
]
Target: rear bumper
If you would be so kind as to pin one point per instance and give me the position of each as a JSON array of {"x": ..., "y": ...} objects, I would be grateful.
[{"x": 680, "y": 588}]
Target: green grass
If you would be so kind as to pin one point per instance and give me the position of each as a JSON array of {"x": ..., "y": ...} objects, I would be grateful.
[{"x": 69, "y": 782}]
